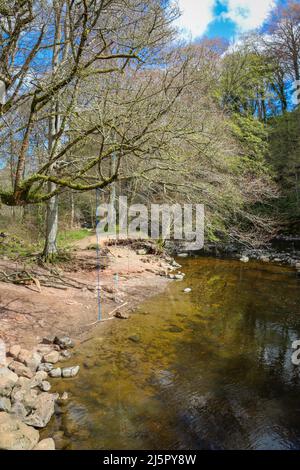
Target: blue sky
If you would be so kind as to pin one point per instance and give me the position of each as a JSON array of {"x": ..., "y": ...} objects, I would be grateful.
[{"x": 225, "y": 18}]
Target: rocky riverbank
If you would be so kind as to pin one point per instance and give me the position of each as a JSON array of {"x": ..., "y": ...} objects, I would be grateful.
[{"x": 26, "y": 404}]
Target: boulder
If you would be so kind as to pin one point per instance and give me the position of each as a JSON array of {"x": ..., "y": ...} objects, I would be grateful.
[
  {"x": 64, "y": 342},
  {"x": 52, "y": 357},
  {"x": 16, "y": 435},
  {"x": 70, "y": 371},
  {"x": 45, "y": 444},
  {"x": 21, "y": 369},
  {"x": 5, "y": 404},
  {"x": 8, "y": 379},
  {"x": 43, "y": 410}
]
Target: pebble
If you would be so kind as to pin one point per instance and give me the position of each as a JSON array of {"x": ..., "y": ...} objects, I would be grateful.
[{"x": 187, "y": 290}]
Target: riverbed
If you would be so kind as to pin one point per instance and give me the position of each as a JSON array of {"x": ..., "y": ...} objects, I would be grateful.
[{"x": 209, "y": 369}]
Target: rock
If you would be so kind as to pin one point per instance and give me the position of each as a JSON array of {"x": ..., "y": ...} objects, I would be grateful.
[
  {"x": 64, "y": 342},
  {"x": 52, "y": 357},
  {"x": 171, "y": 276},
  {"x": 70, "y": 371},
  {"x": 16, "y": 435},
  {"x": 45, "y": 366},
  {"x": 25, "y": 396},
  {"x": 45, "y": 386},
  {"x": 45, "y": 444},
  {"x": 122, "y": 315},
  {"x": 179, "y": 277},
  {"x": 18, "y": 410},
  {"x": 183, "y": 255},
  {"x": 31, "y": 359},
  {"x": 43, "y": 410},
  {"x": 245, "y": 259},
  {"x": 21, "y": 369},
  {"x": 134, "y": 338},
  {"x": 38, "y": 379},
  {"x": 8, "y": 380},
  {"x": 64, "y": 396},
  {"x": 187, "y": 290},
  {"x": 65, "y": 355},
  {"x": 265, "y": 259},
  {"x": 142, "y": 252},
  {"x": 55, "y": 373},
  {"x": 14, "y": 351},
  {"x": 5, "y": 404}
]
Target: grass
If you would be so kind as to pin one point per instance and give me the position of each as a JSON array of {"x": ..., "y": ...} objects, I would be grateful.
[{"x": 68, "y": 237}]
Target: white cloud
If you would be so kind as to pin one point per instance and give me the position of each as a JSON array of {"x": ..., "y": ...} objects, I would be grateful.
[
  {"x": 196, "y": 16},
  {"x": 248, "y": 14}
]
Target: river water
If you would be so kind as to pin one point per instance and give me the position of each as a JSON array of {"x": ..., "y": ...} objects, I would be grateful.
[{"x": 210, "y": 369}]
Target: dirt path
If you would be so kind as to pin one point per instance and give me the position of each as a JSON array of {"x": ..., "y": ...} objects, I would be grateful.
[{"x": 26, "y": 315}]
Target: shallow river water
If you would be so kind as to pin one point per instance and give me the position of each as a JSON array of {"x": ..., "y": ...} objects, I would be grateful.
[{"x": 207, "y": 370}]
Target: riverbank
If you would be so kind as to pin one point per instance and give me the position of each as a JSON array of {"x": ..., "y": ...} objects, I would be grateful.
[{"x": 128, "y": 276}]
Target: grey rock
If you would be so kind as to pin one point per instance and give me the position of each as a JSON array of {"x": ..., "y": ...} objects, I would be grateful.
[
  {"x": 8, "y": 379},
  {"x": 43, "y": 410},
  {"x": 55, "y": 373},
  {"x": 64, "y": 342},
  {"x": 5, "y": 404},
  {"x": 16, "y": 435},
  {"x": 45, "y": 386},
  {"x": 70, "y": 371},
  {"x": 122, "y": 315},
  {"x": 65, "y": 355},
  {"x": 46, "y": 366}
]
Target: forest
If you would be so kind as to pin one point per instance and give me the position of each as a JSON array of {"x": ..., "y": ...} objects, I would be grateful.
[{"x": 105, "y": 95}]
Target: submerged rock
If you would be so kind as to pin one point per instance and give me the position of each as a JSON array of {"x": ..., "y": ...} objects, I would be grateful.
[
  {"x": 187, "y": 290},
  {"x": 55, "y": 373},
  {"x": 122, "y": 315}
]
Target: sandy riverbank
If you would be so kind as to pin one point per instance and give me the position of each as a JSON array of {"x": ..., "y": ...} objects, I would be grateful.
[{"x": 27, "y": 314}]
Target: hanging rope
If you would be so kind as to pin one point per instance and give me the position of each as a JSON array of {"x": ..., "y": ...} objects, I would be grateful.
[{"x": 98, "y": 259}]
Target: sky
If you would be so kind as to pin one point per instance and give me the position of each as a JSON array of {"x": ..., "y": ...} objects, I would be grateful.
[{"x": 223, "y": 18}]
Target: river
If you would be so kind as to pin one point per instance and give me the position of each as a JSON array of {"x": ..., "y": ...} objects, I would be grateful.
[{"x": 210, "y": 369}]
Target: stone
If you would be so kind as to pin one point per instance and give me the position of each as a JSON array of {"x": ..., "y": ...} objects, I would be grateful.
[
  {"x": 64, "y": 396},
  {"x": 15, "y": 435},
  {"x": 64, "y": 342},
  {"x": 31, "y": 359},
  {"x": 45, "y": 366},
  {"x": 5, "y": 404},
  {"x": 43, "y": 410},
  {"x": 70, "y": 371},
  {"x": 14, "y": 351},
  {"x": 265, "y": 259},
  {"x": 38, "y": 379},
  {"x": 134, "y": 338},
  {"x": 8, "y": 380},
  {"x": 182, "y": 255},
  {"x": 179, "y": 277},
  {"x": 45, "y": 386},
  {"x": 245, "y": 259},
  {"x": 122, "y": 315},
  {"x": 142, "y": 252},
  {"x": 45, "y": 444},
  {"x": 18, "y": 410},
  {"x": 52, "y": 357},
  {"x": 25, "y": 396},
  {"x": 55, "y": 373},
  {"x": 187, "y": 290},
  {"x": 21, "y": 369},
  {"x": 65, "y": 355}
]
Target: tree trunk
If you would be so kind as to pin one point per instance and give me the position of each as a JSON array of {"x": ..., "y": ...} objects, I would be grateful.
[{"x": 50, "y": 249}]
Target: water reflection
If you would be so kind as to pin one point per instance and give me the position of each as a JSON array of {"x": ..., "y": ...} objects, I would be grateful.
[{"x": 207, "y": 370}]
